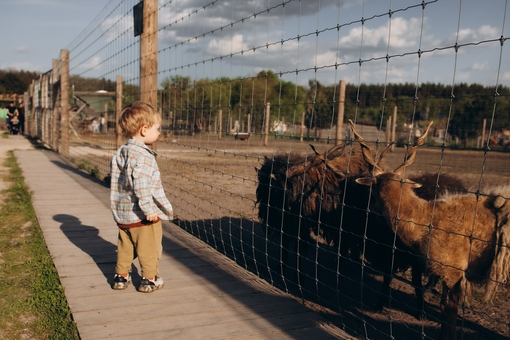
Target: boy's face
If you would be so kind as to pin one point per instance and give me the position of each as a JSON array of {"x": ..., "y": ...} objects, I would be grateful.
[{"x": 151, "y": 134}]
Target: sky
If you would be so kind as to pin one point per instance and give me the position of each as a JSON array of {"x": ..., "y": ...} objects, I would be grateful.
[{"x": 35, "y": 31}]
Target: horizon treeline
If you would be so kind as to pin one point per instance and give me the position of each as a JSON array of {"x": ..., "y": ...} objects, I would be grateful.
[{"x": 180, "y": 98}]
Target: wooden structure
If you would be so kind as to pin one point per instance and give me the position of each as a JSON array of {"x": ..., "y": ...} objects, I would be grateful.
[{"x": 17, "y": 98}]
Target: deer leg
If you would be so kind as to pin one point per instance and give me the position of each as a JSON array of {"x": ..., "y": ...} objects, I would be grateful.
[
  {"x": 383, "y": 295},
  {"x": 432, "y": 282},
  {"x": 416, "y": 273},
  {"x": 449, "y": 310}
]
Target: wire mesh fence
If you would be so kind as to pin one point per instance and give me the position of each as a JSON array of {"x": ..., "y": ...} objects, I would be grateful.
[{"x": 259, "y": 162}]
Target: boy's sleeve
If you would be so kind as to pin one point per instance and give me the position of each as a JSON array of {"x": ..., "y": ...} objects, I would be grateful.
[{"x": 142, "y": 175}]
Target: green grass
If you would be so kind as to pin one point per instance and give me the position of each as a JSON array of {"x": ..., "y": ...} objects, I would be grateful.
[{"x": 32, "y": 300}]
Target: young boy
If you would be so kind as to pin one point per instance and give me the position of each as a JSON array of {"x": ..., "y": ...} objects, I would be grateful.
[{"x": 137, "y": 198}]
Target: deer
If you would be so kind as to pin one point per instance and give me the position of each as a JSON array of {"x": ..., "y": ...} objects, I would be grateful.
[
  {"x": 456, "y": 235},
  {"x": 315, "y": 198}
]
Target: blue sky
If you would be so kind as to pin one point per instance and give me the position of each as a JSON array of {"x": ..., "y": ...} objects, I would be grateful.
[{"x": 36, "y": 31}]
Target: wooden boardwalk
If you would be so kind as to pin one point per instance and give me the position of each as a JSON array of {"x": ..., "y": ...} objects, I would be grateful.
[{"x": 206, "y": 295}]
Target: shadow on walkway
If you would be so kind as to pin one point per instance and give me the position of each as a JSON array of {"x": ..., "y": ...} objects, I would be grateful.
[{"x": 86, "y": 237}]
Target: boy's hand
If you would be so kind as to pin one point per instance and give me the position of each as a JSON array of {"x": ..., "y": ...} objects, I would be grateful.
[{"x": 152, "y": 217}]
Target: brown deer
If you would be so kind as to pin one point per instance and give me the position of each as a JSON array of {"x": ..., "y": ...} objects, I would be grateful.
[
  {"x": 457, "y": 234},
  {"x": 300, "y": 196}
]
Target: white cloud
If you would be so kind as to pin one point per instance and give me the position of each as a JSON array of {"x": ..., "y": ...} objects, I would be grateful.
[
  {"x": 226, "y": 45},
  {"x": 404, "y": 34},
  {"x": 505, "y": 76},
  {"x": 484, "y": 32},
  {"x": 113, "y": 27},
  {"x": 23, "y": 49},
  {"x": 480, "y": 66},
  {"x": 91, "y": 63},
  {"x": 24, "y": 66}
]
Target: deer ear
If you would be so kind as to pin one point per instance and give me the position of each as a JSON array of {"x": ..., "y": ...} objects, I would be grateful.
[
  {"x": 366, "y": 181},
  {"x": 413, "y": 184}
]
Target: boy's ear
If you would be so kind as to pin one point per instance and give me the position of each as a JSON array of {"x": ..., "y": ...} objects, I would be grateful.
[{"x": 143, "y": 130}]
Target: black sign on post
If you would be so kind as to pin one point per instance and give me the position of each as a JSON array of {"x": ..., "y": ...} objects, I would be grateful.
[{"x": 138, "y": 18}]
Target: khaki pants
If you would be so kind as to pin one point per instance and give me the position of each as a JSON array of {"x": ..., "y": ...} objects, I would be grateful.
[{"x": 144, "y": 242}]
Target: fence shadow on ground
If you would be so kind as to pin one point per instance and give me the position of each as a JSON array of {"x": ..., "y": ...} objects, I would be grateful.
[
  {"x": 103, "y": 253},
  {"x": 344, "y": 296}
]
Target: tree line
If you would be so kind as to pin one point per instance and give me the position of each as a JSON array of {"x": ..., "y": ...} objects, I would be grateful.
[
  {"x": 185, "y": 101},
  {"x": 15, "y": 82},
  {"x": 461, "y": 109}
]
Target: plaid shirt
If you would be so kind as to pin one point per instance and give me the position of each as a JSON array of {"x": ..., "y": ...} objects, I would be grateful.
[{"x": 136, "y": 189}]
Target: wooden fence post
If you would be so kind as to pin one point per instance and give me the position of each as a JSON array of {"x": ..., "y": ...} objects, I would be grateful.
[
  {"x": 118, "y": 109},
  {"x": 64, "y": 102},
  {"x": 388, "y": 131},
  {"x": 220, "y": 119},
  {"x": 266, "y": 128},
  {"x": 484, "y": 126},
  {"x": 149, "y": 55},
  {"x": 56, "y": 117},
  {"x": 340, "y": 117},
  {"x": 302, "y": 128},
  {"x": 394, "y": 127}
]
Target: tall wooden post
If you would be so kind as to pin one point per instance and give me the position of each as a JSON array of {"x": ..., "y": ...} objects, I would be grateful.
[
  {"x": 484, "y": 126},
  {"x": 302, "y": 132},
  {"x": 266, "y": 128},
  {"x": 220, "y": 120},
  {"x": 55, "y": 119},
  {"x": 64, "y": 102},
  {"x": 27, "y": 105},
  {"x": 105, "y": 126},
  {"x": 388, "y": 131},
  {"x": 31, "y": 118},
  {"x": 340, "y": 117},
  {"x": 118, "y": 109},
  {"x": 394, "y": 127},
  {"x": 149, "y": 55}
]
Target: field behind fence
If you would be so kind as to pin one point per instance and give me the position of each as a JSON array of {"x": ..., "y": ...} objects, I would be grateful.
[{"x": 242, "y": 85}]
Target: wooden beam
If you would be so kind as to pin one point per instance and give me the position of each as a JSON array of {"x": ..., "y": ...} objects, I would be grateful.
[
  {"x": 64, "y": 103},
  {"x": 149, "y": 55},
  {"x": 118, "y": 109}
]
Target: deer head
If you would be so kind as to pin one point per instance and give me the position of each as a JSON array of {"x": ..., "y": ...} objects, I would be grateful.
[{"x": 400, "y": 170}]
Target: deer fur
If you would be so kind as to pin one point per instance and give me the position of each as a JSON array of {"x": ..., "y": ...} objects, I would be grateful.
[
  {"x": 315, "y": 198},
  {"x": 457, "y": 234}
]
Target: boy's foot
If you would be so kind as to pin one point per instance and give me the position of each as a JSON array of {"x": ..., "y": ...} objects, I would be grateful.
[
  {"x": 150, "y": 285},
  {"x": 121, "y": 281}
]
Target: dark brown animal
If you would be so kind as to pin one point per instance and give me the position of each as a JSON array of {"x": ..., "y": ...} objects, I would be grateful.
[
  {"x": 315, "y": 198},
  {"x": 457, "y": 234}
]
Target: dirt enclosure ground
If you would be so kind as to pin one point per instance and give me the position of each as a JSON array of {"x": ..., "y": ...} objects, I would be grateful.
[{"x": 212, "y": 184}]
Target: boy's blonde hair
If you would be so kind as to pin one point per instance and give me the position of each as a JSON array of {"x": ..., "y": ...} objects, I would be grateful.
[{"x": 134, "y": 116}]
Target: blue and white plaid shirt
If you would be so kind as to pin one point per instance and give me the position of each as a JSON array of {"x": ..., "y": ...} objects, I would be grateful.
[{"x": 136, "y": 189}]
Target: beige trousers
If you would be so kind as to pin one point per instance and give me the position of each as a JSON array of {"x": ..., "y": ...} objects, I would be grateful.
[{"x": 144, "y": 242}]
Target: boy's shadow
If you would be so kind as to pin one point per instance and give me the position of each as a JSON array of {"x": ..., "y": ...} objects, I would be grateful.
[{"x": 87, "y": 238}]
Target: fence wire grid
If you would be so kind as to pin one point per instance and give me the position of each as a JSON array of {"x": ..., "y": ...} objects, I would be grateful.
[{"x": 249, "y": 89}]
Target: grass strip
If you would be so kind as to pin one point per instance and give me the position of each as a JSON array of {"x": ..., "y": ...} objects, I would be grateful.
[{"x": 32, "y": 300}]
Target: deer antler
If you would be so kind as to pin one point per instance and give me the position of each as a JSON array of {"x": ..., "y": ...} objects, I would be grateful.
[
  {"x": 365, "y": 149},
  {"x": 322, "y": 157},
  {"x": 411, "y": 152}
]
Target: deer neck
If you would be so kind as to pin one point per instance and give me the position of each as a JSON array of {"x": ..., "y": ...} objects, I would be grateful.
[{"x": 408, "y": 215}]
